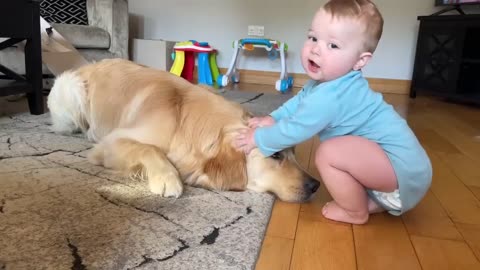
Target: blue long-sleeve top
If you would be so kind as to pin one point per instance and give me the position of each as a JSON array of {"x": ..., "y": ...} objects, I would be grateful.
[{"x": 347, "y": 106}]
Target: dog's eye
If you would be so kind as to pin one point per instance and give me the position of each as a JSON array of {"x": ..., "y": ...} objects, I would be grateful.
[{"x": 276, "y": 156}]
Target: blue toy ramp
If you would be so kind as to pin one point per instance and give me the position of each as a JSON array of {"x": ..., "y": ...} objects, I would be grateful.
[{"x": 256, "y": 41}]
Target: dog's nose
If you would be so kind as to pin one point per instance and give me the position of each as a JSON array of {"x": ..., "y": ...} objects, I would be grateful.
[{"x": 312, "y": 185}]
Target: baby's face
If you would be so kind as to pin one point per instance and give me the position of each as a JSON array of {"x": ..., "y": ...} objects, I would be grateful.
[{"x": 333, "y": 48}]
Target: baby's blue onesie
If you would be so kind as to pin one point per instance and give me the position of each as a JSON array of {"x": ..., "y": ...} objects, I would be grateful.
[{"x": 347, "y": 106}]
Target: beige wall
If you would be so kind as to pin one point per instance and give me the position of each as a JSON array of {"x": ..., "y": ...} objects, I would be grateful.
[{"x": 221, "y": 21}]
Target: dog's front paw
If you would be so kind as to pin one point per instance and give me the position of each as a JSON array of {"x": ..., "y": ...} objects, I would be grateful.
[
  {"x": 96, "y": 155},
  {"x": 168, "y": 185}
]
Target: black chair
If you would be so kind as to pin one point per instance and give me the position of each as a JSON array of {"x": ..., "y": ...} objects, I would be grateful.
[{"x": 19, "y": 21}]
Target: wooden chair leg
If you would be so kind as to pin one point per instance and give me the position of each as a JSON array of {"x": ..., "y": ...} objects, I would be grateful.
[{"x": 33, "y": 65}]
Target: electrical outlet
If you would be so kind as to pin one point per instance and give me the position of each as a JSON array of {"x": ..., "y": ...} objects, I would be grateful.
[
  {"x": 252, "y": 30},
  {"x": 260, "y": 30},
  {"x": 256, "y": 30}
]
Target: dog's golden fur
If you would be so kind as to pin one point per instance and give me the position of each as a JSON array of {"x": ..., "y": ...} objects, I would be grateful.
[{"x": 152, "y": 123}]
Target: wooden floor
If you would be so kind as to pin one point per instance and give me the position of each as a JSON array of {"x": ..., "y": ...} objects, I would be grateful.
[{"x": 442, "y": 232}]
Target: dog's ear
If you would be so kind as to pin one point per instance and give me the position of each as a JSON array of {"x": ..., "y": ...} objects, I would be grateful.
[{"x": 227, "y": 170}]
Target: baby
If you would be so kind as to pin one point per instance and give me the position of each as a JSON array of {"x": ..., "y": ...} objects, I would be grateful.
[{"x": 369, "y": 158}]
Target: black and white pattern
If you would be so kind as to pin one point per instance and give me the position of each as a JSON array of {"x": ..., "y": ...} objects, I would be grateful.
[{"x": 64, "y": 11}]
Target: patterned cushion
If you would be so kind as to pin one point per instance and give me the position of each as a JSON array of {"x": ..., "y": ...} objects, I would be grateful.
[{"x": 64, "y": 11}]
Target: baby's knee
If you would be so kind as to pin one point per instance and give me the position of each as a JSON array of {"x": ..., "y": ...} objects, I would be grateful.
[{"x": 324, "y": 153}]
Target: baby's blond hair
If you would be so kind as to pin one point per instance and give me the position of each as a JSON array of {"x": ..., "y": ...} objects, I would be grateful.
[{"x": 363, "y": 10}]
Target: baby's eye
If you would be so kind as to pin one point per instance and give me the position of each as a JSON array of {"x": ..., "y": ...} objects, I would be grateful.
[
  {"x": 314, "y": 39},
  {"x": 276, "y": 156},
  {"x": 332, "y": 46}
]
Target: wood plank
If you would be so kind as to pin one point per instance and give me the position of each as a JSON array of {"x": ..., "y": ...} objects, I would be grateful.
[
  {"x": 466, "y": 169},
  {"x": 276, "y": 253},
  {"x": 391, "y": 86},
  {"x": 303, "y": 153},
  {"x": 312, "y": 169},
  {"x": 455, "y": 132},
  {"x": 429, "y": 218},
  {"x": 435, "y": 141},
  {"x": 454, "y": 115},
  {"x": 471, "y": 233},
  {"x": 438, "y": 254},
  {"x": 384, "y": 243},
  {"x": 470, "y": 116},
  {"x": 313, "y": 209},
  {"x": 283, "y": 222},
  {"x": 475, "y": 191},
  {"x": 323, "y": 246},
  {"x": 467, "y": 114},
  {"x": 401, "y": 103},
  {"x": 459, "y": 202}
]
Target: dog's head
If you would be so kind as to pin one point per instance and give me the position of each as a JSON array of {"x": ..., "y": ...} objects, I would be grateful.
[{"x": 279, "y": 174}]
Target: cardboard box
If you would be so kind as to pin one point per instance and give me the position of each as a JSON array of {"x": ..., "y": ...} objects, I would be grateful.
[{"x": 153, "y": 53}]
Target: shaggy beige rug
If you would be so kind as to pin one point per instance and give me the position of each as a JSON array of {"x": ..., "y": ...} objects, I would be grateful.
[{"x": 57, "y": 211}]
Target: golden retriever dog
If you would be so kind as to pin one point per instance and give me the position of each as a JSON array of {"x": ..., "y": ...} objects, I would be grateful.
[{"x": 154, "y": 124}]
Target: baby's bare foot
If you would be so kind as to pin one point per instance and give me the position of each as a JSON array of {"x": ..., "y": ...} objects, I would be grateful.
[
  {"x": 373, "y": 207},
  {"x": 333, "y": 211}
]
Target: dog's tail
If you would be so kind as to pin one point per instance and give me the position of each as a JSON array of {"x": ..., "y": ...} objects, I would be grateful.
[{"x": 67, "y": 103}]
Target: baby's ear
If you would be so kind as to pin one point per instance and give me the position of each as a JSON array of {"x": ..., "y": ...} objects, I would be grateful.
[{"x": 362, "y": 61}]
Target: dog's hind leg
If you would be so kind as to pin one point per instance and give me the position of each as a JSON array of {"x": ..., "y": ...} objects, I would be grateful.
[{"x": 136, "y": 158}]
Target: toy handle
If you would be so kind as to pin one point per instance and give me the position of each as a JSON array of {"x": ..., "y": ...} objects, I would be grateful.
[{"x": 256, "y": 41}]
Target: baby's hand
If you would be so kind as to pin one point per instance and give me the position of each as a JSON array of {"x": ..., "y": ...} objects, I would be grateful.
[
  {"x": 245, "y": 140},
  {"x": 264, "y": 121}
]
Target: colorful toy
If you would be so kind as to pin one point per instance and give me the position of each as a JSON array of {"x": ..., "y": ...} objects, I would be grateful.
[
  {"x": 273, "y": 47},
  {"x": 184, "y": 61}
]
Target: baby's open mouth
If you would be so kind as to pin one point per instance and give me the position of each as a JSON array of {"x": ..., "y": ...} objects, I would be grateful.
[{"x": 313, "y": 66}]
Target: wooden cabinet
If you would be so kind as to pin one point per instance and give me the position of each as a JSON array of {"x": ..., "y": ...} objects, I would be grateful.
[{"x": 447, "y": 59}]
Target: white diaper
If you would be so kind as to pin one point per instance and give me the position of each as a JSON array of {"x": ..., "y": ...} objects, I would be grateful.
[{"x": 389, "y": 200}]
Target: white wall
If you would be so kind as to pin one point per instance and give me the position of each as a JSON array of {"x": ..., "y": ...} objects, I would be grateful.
[{"x": 219, "y": 22}]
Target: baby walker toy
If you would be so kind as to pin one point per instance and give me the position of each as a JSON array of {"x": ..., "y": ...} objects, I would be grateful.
[
  {"x": 184, "y": 61},
  {"x": 249, "y": 44}
]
